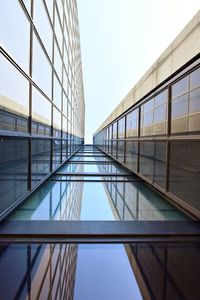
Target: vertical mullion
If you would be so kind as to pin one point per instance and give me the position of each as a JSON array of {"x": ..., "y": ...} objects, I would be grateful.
[
  {"x": 52, "y": 90},
  {"x": 167, "y": 141},
  {"x": 138, "y": 144},
  {"x": 30, "y": 102}
]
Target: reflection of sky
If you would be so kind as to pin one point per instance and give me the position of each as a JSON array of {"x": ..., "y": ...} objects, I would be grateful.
[
  {"x": 95, "y": 205},
  {"x": 103, "y": 272}
]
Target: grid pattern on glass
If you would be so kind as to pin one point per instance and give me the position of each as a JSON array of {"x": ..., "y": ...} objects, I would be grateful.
[
  {"x": 172, "y": 114},
  {"x": 58, "y": 271},
  {"x": 186, "y": 104},
  {"x": 94, "y": 192},
  {"x": 41, "y": 84}
]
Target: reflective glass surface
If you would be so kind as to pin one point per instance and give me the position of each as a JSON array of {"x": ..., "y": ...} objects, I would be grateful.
[
  {"x": 14, "y": 98},
  {"x": 65, "y": 197},
  {"x": 14, "y": 27},
  {"x": 42, "y": 76},
  {"x": 137, "y": 271}
]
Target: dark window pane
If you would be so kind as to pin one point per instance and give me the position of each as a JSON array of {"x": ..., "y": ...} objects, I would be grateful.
[
  {"x": 40, "y": 160},
  {"x": 56, "y": 153},
  {"x": 131, "y": 155},
  {"x": 13, "y": 171},
  {"x": 120, "y": 155},
  {"x": 160, "y": 163},
  {"x": 146, "y": 162},
  {"x": 184, "y": 171}
]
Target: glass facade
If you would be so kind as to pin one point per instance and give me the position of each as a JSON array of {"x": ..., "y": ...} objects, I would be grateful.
[
  {"x": 158, "y": 139},
  {"x": 41, "y": 93}
]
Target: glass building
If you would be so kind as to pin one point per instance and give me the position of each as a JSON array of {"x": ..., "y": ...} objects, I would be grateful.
[
  {"x": 41, "y": 94},
  {"x": 114, "y": 220}
]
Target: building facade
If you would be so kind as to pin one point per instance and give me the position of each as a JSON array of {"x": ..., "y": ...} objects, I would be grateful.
[
  {"x": 154, "y": 131},
  {"x": 41, "y": 94}
]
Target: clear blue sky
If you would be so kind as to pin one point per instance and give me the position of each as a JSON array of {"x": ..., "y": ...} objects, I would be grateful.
[{"x": 120, "y": 40}]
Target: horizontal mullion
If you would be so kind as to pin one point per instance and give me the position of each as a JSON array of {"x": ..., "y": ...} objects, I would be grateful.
[
  {"x": 47, "y": 231},
  {"x": 93, "y": 174}
]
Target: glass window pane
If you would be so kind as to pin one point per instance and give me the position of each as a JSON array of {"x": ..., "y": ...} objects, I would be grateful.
[
  {"x": 195, "y": 78},
  {"x": 57, "y": 92},
  {"x": 65, "y": 105},
  {"x": 161, "y": 98},
  {"x": 49, "y": 4},
  {"x": 194, "y": 104},
  {"x": 57, "y": 61},
  {"x": 180, "y": 106},
  {"x": 40, "y": 160},
  {"x": 160, "y": 114},
  {"x": 59, "y": 34},
  {"x": 115, "y": 130},
  {"x": 15, "y": 32},
  {"x": 43, "y": 26},
  {"x": 42, "y": 71},
  {"x": 149, "y": 105},
  {"x": 132, "y": 124},
  {"x": 148, "y": 119},
  {"x": 13, "y": 171},
  {"x": 14, "y": 98},
  {"x": 41, "y": 113},
  {"x": 180, "y": 87},
  {"x": 121, "y": 128},
  {"x": 56, "y": 122}
]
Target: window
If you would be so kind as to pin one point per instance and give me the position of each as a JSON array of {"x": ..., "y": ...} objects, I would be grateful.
[
  {"x": 43, "y": 26},
  {"x": 13, "y": 171},
  {"x": 121, "y": 128},
  {"x": 58, "y": 30},
  {"x": 185, "y": 106},
  {"x": 57, "y": 61},
  {"x": 115, "y": 130},
  {"x": 154, "y": 115},
  {"x": 56, "y": 122},
  {"x": 14, "y": 98},
  {"x": 15, "y": 27},
  {"x": 41, "y": 113},
  {"x": 57, "y": 93},
  {"x": 40, "y": 160},
  {"x": 147, "y": 118},
  {"x": 42, "y": 71},
  {"x": 132, "y": 124}
]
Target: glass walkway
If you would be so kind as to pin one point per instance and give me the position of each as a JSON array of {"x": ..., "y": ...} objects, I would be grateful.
[
  {"x": 92, "y": 195},
  {"x": 92, "y": 186}
]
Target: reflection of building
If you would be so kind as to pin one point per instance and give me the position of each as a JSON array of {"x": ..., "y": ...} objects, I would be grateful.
[
  {"x": 41, "y": 93},
  {"x": 166, "y": 270},
  {"x": 37, "y": 271},
  {"x": 136, "y": 201},
  {"x": 154, "y": 131}
]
